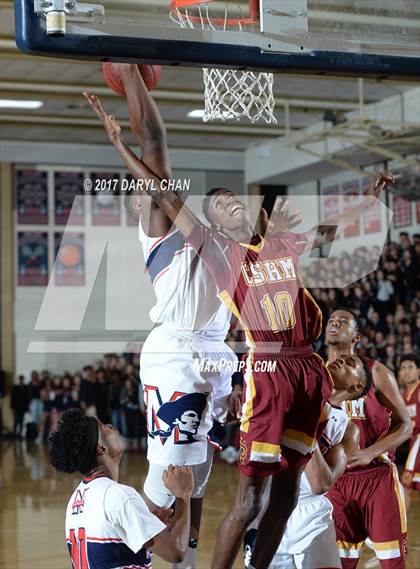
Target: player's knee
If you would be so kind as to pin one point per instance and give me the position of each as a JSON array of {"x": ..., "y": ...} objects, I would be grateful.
[{"x": 246, "y": 510}]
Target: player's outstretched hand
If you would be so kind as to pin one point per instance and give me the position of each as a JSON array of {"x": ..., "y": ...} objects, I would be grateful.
[
  {"x": 280, "y": 220},
  {"x": 110, "y": 123},
  {"x": 383, "y": 181},
  {"x": 179, "y": 480},
  {"x": 235, "y": 402}
]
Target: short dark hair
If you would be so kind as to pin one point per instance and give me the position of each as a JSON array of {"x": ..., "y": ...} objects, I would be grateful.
[
  {"x": 356, "y": 319},
  {"x": 410, "y": 358},
  {"x": 70, "y": 446},
  {"x": 403, "y": 234},
  {"x": 206, "y": 201}
]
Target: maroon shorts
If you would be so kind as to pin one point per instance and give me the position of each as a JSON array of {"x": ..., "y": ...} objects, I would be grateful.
[
  {"x": 370, "y": 503},
  {"x": 281, "y": 410},
  {"x": 411, "y": 478}
]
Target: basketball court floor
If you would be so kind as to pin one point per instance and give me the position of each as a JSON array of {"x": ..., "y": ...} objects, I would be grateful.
[
  {"x": 34, "y": 498},
  {"x": 301, "y": 99}
]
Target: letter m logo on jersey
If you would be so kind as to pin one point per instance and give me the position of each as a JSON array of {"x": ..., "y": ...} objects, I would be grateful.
[
  {"x": 179, "y": 417},
  {"x": 78, "y": 502}
]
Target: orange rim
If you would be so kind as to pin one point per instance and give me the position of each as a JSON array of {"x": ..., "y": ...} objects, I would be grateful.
[{"x": 251, "y": 18}]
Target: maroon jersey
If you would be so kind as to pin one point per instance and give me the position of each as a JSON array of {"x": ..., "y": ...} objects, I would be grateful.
[
  {"x": 412, "y": 402},
  {"x": 372, "y": 418},
  {"x": 260, "y": 284}
]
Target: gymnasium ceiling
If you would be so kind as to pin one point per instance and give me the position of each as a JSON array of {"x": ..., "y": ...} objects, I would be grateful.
[{"x": 65, "y": 117}]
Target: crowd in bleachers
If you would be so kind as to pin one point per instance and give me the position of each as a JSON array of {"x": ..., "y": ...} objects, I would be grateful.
[
  {"x": 110, "y": 390},
  {"x": 387, "y": 302}
]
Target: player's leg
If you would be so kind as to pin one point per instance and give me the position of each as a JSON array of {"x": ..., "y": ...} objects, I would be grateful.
[
  {"x": 386, "y": 519},
  {"x": 245, "y": 508},
  {"x": 282, "y": 501},
  {"x": 146, "y": 121},
  {"x": 322, "y": 552},
  {"x": 348, "y": 519},
  {"x": 411, "y": 475},
  {"x": 201, "y": 476}
]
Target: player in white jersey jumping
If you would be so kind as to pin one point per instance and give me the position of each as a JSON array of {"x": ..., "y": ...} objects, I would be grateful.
[
  {"x": 191, "y": 325},
  {"x": 108, "y": 525},
  {"x": 309, "y": 541}
]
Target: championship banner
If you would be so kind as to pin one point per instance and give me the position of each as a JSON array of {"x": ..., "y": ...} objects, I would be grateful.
[
  {"x": 403, "y": 212},
  {"x": 351, "y": 197},
  {"x": 68, "y": 200},
  {"x": 106, "y": 208},
  {"x": 31, "y": 197},
  {"x": 330, "y": 200},
  {"x": 32, "y": 258},
  {"x": 69, "y": 259},
  {"x": 372, "y": 218}
]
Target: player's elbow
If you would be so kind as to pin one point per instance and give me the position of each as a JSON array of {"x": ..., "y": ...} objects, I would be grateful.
[{"x": 177, "y": 555}]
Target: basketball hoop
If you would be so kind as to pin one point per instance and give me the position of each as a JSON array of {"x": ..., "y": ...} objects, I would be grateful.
[{"x": 228, "y": 93}]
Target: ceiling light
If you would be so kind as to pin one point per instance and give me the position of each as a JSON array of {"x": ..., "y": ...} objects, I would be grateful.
[
  {"x": 196, "y": 114},
  {"x": 15, "y": 104}
]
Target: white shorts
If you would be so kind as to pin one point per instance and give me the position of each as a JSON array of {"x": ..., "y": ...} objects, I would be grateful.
[
  {"x": 309, "y": 541},
  {"x": 181, "y": 400},
  {"x": 156, "y": 491}
]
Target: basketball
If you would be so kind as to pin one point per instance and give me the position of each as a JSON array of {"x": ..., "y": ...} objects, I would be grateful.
[
  {"x": 150, "y": 73},
  {"x": 69, "y": 255}
]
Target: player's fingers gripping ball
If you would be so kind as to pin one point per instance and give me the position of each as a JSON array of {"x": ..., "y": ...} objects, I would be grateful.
[{"x": 112, "y": 75}]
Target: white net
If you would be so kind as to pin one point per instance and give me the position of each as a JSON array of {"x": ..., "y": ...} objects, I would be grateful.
[
  {"x": 228, "y": 94},
  {"x": 232, "y": 95}
]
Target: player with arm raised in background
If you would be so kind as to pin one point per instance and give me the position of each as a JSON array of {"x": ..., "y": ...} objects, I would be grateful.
[
  {"x": 368, "y": 499},
  {"x": 409, "y": 377},
  {"x": 258, "y": 279}
]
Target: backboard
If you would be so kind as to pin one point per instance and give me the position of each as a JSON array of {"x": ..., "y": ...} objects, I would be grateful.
[{"x": 359, "y": 38}]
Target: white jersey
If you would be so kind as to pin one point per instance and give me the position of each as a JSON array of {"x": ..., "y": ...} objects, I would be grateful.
[
  {"x": 107, "y": 526},
  {"x": 183, "y": 397},
  {"x": 336, "y": 421},
  {"x": 186, "y": 295}
]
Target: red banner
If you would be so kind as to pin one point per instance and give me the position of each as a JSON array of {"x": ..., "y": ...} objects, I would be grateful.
[
  {"x": 372, "y": 218},
  {"x": 351, "y": 198}
]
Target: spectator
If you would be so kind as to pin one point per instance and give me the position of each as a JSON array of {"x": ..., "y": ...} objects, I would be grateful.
[
  {"x": 384, "y": 294},
  {"x": 34, "y": 397},
  {"x": 130, "y": 403},
  {"x": 19, "y": 405},
  {"x": 87, "y": 391},
  {"x": 63, "y": 401},
  {"x": 47, "y": 397},
  {"x": 102, "y": 396},
  {"x": 118, "y": 419}
]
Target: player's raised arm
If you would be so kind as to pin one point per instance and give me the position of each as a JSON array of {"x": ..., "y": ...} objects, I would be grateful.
[
  {"x": 171, "y": 545},
  {"x": 327, "y": 230},
  {"x": 168, "y": 201},
  {"x": 324, "y": 471},
  {"x": 389, "y": 396}
]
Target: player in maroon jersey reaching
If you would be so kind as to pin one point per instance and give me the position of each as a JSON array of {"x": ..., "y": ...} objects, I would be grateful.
[
  {"x": 409, "y": 377},
  {"x": 368, "y": 499},
  {"x": 258, "y": 279}
]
